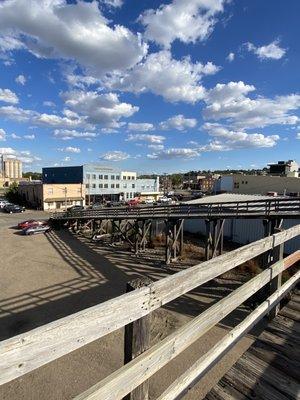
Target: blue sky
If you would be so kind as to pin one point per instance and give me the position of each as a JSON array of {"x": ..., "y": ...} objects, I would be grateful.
[{"x": 148, "y": 85}]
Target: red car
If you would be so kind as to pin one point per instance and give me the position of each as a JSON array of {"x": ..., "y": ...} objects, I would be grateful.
[
  {"x": 133, "y": 202},
  {"x": 29, "y": 223}
]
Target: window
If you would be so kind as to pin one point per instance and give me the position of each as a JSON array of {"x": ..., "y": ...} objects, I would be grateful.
[
  {"x": 93, "y": 176},
  {"x": 125, "y": 185},
  {"x": 50, "y": 191},
  {"x": 106, "y": 177},
  {"x": 133, "y": 178},
  {"x": 94, "y": 186},
  {"x": 117, "y": 177},
  {"x": 101, "y": 185},
  {"x": 112, "y": 177},
  {"x": 106, "y": 185},
  {"x": 88, "y": 176},
  {"x": 100, "y": 176},
  {"x": 117, "y": 185},
  {"x": 87, "y": 185},
  {"x": 112, "y": 186},
  {"x": 133, "y": 185},
  {"x": 143, "y": 186},
  {"x": 124, "y": 177}
]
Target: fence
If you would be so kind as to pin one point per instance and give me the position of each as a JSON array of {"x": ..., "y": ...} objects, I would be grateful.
[
  {"x": 250, "y": 209},
  {"x": 26, "y": 352}
]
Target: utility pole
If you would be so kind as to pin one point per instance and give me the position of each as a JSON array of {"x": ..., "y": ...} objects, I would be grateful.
[{"x": 65, "y": 190}]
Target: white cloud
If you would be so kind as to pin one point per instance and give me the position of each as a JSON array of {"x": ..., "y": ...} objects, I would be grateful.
[
  {"x": 48, "y": 103},
  {"x": 174, "y": 80},
  {"x": 226, "y": 139},
  {"x": 66, "y": 134},
  {"x": 78, "y": 31},
  {"x": 56, "y": 121},
  {"x": 81, "y": 81},
  {"x": 145, "y": 138},
  {"x": 186, "y": 20},
  {"x": 24, "y": 155},
  {"x": 178, "y": 122},
  {"x": 230, "y": 57},
  {"x": 105, "y": 109},
  {"x": 67, "y": 158},
  {"x": 174, "y": 153},
  {"x": 113, "y": 3},
  {"x": 114, "y": 156},
  {"x": 21, "y": 79},
  {"x": 270, "y": 51},
  {"x": 8, "y": 96},
  {"x": 229, "y": 102},
  {"x": 2, "y": 134},
  {"x": 70, "y": 149},
  {"x": 29, "y": 137},
  {"x": 156, "y": 147},
  {"x": 17, "y": 114},
  {"x": 14, "y": 136},
  {"x": 141, "y": 127}
]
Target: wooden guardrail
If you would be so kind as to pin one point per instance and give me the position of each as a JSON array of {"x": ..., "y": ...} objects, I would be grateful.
[
  {"x": 253, "y": 208},
  {"x": 26, "y": 352}
]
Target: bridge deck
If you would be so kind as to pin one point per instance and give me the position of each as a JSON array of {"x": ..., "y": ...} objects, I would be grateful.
[{"x": 270, "y": 369}]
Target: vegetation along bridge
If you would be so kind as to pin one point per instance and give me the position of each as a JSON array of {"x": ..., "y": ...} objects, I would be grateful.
[{"x": 138, "y": 225}]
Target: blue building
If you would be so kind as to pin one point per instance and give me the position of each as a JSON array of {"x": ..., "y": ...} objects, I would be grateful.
[{"x": 103, "y": 183}]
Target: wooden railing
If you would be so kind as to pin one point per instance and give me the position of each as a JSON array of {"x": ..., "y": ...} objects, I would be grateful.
[
  {"x": 251, "y": 209},
  {"x": 26, "y": 352}
]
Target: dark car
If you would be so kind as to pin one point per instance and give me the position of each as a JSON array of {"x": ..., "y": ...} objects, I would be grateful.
[
  {"x": 75, "y": 208},
  {"x": 13, "y": 208}
]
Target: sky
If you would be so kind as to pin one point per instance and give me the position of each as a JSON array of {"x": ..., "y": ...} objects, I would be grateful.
[{"x": 151, "y": 86}]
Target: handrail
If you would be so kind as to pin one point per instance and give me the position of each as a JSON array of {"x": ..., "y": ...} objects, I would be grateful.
[
  {"x": 125, "y": 379},
  {"x": 28, "y": 351},
  {"x": 234, "y": 209}
]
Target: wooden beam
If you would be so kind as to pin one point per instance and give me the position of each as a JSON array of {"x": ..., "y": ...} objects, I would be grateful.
[
  {"x": 124, "y": 380},
  {"x": 28, "y": 351},
  {"x": 181, "y": 385},
  {"x": 137, "y": 340}
]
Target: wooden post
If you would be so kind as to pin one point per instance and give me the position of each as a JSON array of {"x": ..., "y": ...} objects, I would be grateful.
[
  {"x": 275, "y": 283},
  {"x": 208, "y": 239},
  {"x": 137, "y": 340}
]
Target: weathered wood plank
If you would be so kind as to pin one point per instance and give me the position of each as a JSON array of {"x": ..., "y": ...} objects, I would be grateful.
[
  {"x": 28, "y": 351},
  {"x": 123, "y": 381},
  {"x": 208, "y": 360},
  {"x": 267, "y": 373}
]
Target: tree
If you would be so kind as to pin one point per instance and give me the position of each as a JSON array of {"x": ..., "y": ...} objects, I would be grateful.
[{"x": 12, "y": 193}]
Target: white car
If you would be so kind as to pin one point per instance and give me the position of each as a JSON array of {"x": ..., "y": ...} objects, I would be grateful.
[{"x": 32, "y": 230}]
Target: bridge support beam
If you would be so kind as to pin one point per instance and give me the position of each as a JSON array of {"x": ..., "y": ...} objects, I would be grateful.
[
  {"x": 174, "y": 239},
  {"x": 214, "y": 237}
]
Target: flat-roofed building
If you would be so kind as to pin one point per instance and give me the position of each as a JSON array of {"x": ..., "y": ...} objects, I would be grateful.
[
  {"x": 102, "y": 182},
  {"x": 258, "y": 184},
  {"x": 52, "y": 196}
]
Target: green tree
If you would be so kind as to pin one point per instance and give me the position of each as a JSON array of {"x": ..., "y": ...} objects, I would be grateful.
[{"x": 12, "y": 193}]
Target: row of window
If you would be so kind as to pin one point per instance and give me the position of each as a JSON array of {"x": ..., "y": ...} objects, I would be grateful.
[
  {"x": 105, "y": 186},
  {"x": 106, "y": 177}
]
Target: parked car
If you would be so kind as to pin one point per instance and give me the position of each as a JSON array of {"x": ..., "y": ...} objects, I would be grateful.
[
  {"x": 35, "y": 229},
  {"x": 165, "y": 199},
  {"x": 3, "y": 203},
  {"x": 133, "y": 202},
  {"x": 31, "y": 222},
  {"x": 13, "y": 208},
  {"x": 75, "y": 208}
]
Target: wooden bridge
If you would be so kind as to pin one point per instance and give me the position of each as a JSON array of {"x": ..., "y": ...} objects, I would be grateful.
[
  {"x": 270, "y": 368},
  {"x": 138, "y": 225},
  {"x": 26, "y": 352}
]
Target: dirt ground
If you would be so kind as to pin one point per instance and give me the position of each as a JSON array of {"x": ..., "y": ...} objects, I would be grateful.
[{"x": 46, "y": 277}]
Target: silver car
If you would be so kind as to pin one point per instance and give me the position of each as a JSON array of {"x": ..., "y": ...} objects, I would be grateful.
[{"x": 32, "y": 230}]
